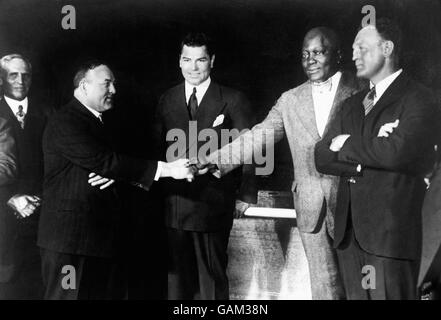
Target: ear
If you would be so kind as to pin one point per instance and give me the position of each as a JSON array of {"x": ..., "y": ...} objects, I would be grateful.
[
  {"x": 212, "y": 61},
  {"x": 82, "y": 86},
  {"x": 388, "y": 48}
]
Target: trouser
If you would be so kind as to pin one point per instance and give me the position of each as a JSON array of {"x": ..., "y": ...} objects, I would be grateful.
[
  {"x": 26, "y": 282},
  {"x": 370, "y": 277},
  {"x": 326, "y": 282},
  {"x": 197, "y": 265},
  {"x": 77, "y": 277}
]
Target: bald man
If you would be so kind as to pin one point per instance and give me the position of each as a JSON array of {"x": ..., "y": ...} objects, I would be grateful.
[{"x": 303, "y": 114}]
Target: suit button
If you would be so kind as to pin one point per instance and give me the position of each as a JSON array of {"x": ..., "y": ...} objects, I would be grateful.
[{"x": 352, "y": 180}]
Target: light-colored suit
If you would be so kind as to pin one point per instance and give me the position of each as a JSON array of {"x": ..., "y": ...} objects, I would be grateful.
[{"x": 314, "y": 193}]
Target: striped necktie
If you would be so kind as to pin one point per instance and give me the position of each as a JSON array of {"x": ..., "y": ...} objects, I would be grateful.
[
  {"x": 21, "y": 116},
  {"x": 368, "y": 101}
]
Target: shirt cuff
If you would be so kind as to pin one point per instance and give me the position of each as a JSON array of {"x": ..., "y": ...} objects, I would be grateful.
[{"x": 158, "y": 171}]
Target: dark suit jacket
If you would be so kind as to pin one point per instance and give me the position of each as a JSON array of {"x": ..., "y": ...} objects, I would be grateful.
[
  {"x": 206, "y": 204},
  {"x": 77, "y": 218},
  {"x": 385, "y": 200},
  {"x": 8, "y": 169},
  {"x": 29, "y": 179}
]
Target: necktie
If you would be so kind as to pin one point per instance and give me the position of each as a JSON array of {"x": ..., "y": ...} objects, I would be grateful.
[
  {"x": 100, "y": 118},
  {"x": 368, "y": 101},
  {"x": 193, "y": 104},
  {"x": 21, "y": 116}
]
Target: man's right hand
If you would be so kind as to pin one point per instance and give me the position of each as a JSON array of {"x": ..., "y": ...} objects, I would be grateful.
[
  {"x": 179, "y": 169},
  {"x": 24, "y": 205}
]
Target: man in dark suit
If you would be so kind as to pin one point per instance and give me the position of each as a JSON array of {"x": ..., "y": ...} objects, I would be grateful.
[
  {"x": 199, "y": 216},
  {"x": 381, "y": 144},
  {"x": 27, "y": 119},
  {"x": 79, "y": 232}
]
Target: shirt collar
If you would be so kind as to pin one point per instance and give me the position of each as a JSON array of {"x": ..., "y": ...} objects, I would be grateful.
[
  {"x": 382, "y": 86},
  {"x": 13, "y": 104},
  {"x": 201, "y": 89},
  {"x": 327, "y": 86},
  {"x": 94, "y": 112}
]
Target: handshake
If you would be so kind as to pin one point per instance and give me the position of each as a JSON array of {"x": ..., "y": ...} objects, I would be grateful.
[
  {"x": 178, "y": 169},
  {"x": 186, "y": 169}
]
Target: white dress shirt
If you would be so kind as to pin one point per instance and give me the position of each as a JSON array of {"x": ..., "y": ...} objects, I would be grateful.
[
  {"x": 201, "y": 89},
  {"x": 382, "y": 86},
  {"x": 14, "y": 104},
  {"x": 323, "y": 95}
]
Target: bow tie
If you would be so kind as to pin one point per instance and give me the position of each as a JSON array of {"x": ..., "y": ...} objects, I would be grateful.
[{"x": 322, "y": 87}]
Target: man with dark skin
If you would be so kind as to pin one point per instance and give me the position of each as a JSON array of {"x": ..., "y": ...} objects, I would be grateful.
[{"x": 303, "y": 114}]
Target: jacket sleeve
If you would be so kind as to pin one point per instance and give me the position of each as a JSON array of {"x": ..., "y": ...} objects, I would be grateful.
[
  {"x": 407, "y": 145},
  {"x": 327, "y": 161},
  {"x": 243, "y": 149},
  {"x": 242, "y": 118},
  {"x": 8, "y": 167},
  {"x": 79, "y": 146}
]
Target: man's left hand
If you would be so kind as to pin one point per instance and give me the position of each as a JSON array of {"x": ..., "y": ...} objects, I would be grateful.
[
  {"x": 97, "y": 180},
  {"x": 338, "y": 142}
]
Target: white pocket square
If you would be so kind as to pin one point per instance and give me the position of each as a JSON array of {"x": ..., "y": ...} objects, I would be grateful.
[{"x": 219, "y": 120}]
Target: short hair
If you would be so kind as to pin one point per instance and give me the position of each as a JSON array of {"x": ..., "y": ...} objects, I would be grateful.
[
  {"x": 84, "y": 68},
  {"x": 8, "y": 58},
  {"x": 332, "y": 38},
  {"x": 198, "y": 39},
  {"x": 389, "y": 30}
]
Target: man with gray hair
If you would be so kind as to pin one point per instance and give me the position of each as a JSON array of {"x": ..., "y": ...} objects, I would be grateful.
[
  {"x": 27, "y": 119},
  {"x": 304, "y": 114}
]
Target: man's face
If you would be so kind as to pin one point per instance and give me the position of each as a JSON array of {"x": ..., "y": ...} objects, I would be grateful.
[
  {"x": 367, "y": 53},
  {"x": 318, "y": 60},
  {"x": 17, "y": 79},
  {"x": 195, "y": 64},
  {"x": 100, "y": 88}
]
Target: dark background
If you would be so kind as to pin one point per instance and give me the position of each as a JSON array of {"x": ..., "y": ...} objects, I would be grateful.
[{"x": 258, "y": 51}]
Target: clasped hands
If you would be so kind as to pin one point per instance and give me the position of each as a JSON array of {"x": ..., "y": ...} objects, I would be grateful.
[
  {"x": 24, "y": 205},
  {"x": 178, "y": 169}
]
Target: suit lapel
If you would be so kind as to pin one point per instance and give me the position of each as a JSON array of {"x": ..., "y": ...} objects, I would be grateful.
[
  {"x": 6, "y": 111},
  {"x": 210, "y": 107},
  {"x": 345, "y": 90},
  {"x": 392, "y": 93},
  {"x": 305, "y": 111}
]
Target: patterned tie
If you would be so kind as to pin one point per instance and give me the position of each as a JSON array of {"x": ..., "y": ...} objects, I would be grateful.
[
  {"x": 368, "y": 101},
  {"x": 21, "y": 116},
  {"x": 193, "y": 104}
]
